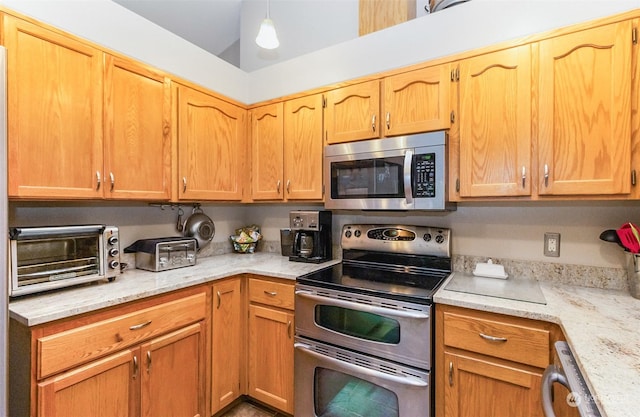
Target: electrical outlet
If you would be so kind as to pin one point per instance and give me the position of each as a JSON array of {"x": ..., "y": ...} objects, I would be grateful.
[{"x": 552, "y": 244}]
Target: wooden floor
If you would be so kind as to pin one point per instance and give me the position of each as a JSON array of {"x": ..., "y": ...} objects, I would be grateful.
[{"x": 247, "y": 409}]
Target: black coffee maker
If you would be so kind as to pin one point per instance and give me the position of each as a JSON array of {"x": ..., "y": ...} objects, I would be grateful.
[{"x": 311, "y": 235}]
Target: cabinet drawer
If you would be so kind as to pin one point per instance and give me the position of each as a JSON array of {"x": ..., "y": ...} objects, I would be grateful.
[
  {"x": 272, "y": 293},
  {"x": 514, "y": 340},
  {"x": 66, "y": 349}
]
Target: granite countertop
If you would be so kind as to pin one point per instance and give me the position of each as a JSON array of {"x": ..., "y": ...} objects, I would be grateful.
[
  {"x": 602, "y": 328},
  {"x": 136, "y": 284}
]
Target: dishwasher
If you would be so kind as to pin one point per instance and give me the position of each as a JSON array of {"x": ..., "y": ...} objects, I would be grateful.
[{"x": 565, "y": 371}]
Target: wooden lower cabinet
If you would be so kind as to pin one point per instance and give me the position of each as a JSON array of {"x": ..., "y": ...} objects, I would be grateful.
[
  {"x": 104, "y": 388},
  {"x": 271, "y": 330},
  {"x": 227, "y": 343},
  {"x": 485, "y": 388},
  {"x": 490, "y": 365},
  {"x": 143, "y": 359}
]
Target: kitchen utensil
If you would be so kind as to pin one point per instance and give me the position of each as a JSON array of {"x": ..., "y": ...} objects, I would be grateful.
[
  {"x": 633, "y": 273},
  {"x": 179, "y": 224},
  {"x": 630, "y": 237},
  {"x": 611, "y": 235},
  {"x": 200, "y": 226}
]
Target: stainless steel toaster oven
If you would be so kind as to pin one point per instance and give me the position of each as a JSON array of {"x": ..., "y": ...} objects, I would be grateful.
[{"x": 52, "y": 257}]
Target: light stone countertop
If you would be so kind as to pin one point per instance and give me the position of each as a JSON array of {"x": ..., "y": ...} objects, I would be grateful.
[
  {"x": 135, "y": 284},
  {"x": 602, "y": 328}
]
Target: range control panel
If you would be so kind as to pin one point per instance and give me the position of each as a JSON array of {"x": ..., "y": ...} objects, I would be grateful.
[{"x": 418, "y": 240}]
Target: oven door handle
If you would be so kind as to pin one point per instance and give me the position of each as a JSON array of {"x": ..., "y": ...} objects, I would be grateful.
[
  {"x": 551, "y": 375},
  {"x": 361, "y": 307},
  {"x": 408, "y": 162},
  {"x": 407, "y": 380}
]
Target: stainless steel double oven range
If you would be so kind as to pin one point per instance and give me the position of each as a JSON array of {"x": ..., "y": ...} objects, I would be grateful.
[{"x": 364, "y": 327}]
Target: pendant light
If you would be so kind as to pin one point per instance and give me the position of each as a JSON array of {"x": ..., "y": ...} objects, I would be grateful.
[{"x": 267, "y": 37}]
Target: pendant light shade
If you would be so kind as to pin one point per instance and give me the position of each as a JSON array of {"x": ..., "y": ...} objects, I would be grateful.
[{"x": 267, "y": 37}]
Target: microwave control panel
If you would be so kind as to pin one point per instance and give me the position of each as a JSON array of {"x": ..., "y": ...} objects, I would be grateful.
[{"x": 424, "y": 175}]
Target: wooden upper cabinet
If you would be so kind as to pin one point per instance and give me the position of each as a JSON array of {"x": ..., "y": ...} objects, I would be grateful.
[
  {"x": 585, "y": 112},
  {"x": 137, "y": 121},
  {"x": 211, "y": 151},
  {"x": 353, "y": 113},
  {"x": 495, "y": 124},
  {"x": 267, "y": 152},
  {"x": 375, "y": 15},
  {"x": 417, "y": 101},
  {"x": 303, "y": 148},
  {"x": 54, "y": 118}
]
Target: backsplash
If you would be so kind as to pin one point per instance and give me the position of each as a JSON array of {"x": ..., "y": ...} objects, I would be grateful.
[{"x": 509, "y": 233}]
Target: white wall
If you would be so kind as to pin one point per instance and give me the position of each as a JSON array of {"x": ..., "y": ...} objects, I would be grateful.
[{"x": 463, "y": 27}]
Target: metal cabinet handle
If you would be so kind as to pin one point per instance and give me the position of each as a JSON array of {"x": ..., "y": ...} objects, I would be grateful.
[
  {"x": 219, "y": 299},
  {"x": 289, "y": 329},
  {"x": 140, "y": 326},
  {"x": 184, "y": 184},
  {"x": 492, "y": 338},
  {"x": 278, "y": 187},
  {"x": 148, "y": 361},
  {"x": 271, "y": 293},
  {"x": 551, "y": 375},
  {"x": 135, "y": 367},
  {"x": 524, "y": 176},
  {"x": 388, "y": 120},
  {"x": 450, "y": 373},
  {"x": 98, "y": 180},
  {"x": 373, "y": 122},
  {"x": 288, "y": 186},
  {"x": 633, "y": 177},
  {"x": 113, "y": 180},
  {"x": 546, "y": 175}
]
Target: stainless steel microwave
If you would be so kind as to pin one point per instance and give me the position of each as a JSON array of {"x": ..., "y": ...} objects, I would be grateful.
[
  {"x": 398, "y": 173},
  {"x": 52, "y": 257}
]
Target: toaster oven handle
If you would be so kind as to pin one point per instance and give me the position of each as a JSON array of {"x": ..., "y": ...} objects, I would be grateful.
[
  {"x": 408, "y": 161},
  {"x": 19, "y": 233},
  {"x": 55, "y": 271}
]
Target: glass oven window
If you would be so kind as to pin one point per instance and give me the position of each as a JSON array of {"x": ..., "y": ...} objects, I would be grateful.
[
  {"x": 360, "y": 324},
  {"x": 368, "y": 178},
  {"x": 341, "y": 395}
]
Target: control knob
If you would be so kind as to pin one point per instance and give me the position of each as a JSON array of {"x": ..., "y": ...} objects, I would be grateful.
[{"x": 114, "y": 264}]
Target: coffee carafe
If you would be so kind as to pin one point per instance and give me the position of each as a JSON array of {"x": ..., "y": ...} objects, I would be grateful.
[{"x": 312, "y": 235}]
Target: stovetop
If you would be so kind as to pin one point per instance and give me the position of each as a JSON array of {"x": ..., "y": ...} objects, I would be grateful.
[{"x": 414, "y": 263}]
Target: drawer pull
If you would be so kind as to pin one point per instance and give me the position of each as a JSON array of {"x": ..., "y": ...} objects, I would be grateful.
[
  {"x": 271, "y": 293},
  {"x": 492, "y": 338},
  {"x": 140, "y": 326}
]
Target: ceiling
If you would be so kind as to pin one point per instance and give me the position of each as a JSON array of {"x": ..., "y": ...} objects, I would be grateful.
[{"x": 213, "y": 25}]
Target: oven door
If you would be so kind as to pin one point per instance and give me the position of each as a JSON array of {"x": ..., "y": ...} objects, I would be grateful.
[
  {"x": 335, "y": 382},
  {"x": 389, "y": 329}
]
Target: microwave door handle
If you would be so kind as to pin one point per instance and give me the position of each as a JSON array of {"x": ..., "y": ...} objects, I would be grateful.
[{"x": 408, "y": 161}]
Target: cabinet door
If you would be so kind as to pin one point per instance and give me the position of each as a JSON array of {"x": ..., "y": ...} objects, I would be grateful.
[
  {"x": 585, "y": 112},
  {"x": 172, "y": 374},
  {"x": 137, "y": 131},
  {"x": 495, "y": 124},
  {"x": 482, "y": 388},
  {"x": 417, "y": 101},
  {"x": 353, "y": 113},
  {"x": 210, "y": 147},
  {"x": 103, "y": 388},
  {"x": 271, "y": 357},
  {"x": 303, "y": 148},
  {"x": 266, "y": 150},
  {"x": 54, "y": 119},
  {"x": 227, "y": 337}
]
